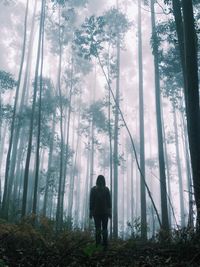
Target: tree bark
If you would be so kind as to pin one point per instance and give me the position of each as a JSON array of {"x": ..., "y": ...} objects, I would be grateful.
[
  {"x": 164, "y": 208},
  {"x": 141, "y": 116},
  {"x": 115, "y": 148},
  {"x": 192, "y": 98}
]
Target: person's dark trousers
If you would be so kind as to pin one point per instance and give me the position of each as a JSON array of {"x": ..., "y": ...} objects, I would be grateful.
[{"x": 101, "y": 226}]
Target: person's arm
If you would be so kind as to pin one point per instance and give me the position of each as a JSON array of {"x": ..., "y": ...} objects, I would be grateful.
[
  {"x": 91, "y": 203},
  {"x": 109, "y": 203}
]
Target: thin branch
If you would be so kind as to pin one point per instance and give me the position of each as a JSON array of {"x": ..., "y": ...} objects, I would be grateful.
[
  {"x": 164, "y": 12},
  {"x": 132, "y": 142}
]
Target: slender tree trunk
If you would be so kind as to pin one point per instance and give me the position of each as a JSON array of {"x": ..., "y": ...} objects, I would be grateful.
[
  {"x": 28, "y": 157},
  {"x": 67, "y": 136},
  {"x": 19, "y": 121},
  {"x": 132, "y": 198},
  {"x": 188, "y": 172},
  {"x": 115, "y": 148},
  {"x": 3, "y": 139},
  {"x": 110, "y": 140},
  {"x": 86, "y": 192},
  {"x": 5, "y": 200},
  {"x": 78, "y": 160},
  {"x": 59, "y": 218},
  {"x": 181, "y": 198},
  {"x": 73, "y": 174},
  {"x": 46, "y": 194},
  {"x": 141, "y": 115},
  {"x": 37, "y": 164},
  {"x": 164, "y": 208},
  {"x": 167, "y": 169},
  {"x": 122, "y": 204},
  {"x": 18, "y": 169}
]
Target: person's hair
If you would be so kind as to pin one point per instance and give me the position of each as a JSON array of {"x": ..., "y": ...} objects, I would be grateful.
[{"x": 101, "y": 181}]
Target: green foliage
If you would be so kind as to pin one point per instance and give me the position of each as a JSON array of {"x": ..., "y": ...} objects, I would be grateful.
[
  {"x": 60, "y": 2},
  {"x": 6, "y": 112},
  {"x": 96, "y": 32},
  {"x": 184, "y": 235},
  {"x": 90, "y": 37},
  {"x": 116, "y": 25},
  {"x": 24, "y": 245},
  {"x": 96, "y": 114},
  {"x": 7, "y": 81},
  {"x": 2, "y": 263},
  {"x": 68, "y": 2},
  {"x": 22, "y": 235},
  {"x": 46, "y": 227},
  {"x": 169, "y": 61},
  {"x": 135, "y": 228},
  {"x": 90, "y": 249}
]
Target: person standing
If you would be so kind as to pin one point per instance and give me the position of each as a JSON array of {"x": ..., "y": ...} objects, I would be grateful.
[{"x": 100, "y": 210}]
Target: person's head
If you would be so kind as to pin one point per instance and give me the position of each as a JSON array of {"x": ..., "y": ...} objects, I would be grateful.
[{"x": 101, "y": 181}]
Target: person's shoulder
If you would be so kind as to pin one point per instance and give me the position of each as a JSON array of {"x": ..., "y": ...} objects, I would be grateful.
[
  {"x": 93, "y": 188},
  {"x": 107, "y": 189}
]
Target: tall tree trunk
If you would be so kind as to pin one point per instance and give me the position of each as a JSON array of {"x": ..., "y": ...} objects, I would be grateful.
[
  {"x": 176, "y": 4},
  {"x": 115, "y": 148},
  {"x": 86, "y": 189},
  {"x": 18, "y": 168},
  {"x": 28, "y": 157},
  {"x": 37, "y": 164},
  {"x": 181, "y": 198},
  {"x": 141, "y": 115},
  {"x": 122, "y": 204},
  {"x": 188, "y": 172},
  {"x": 18, "y": 126},
  {"x": 46, "y": 193},
  {"x": 60, "y": 186},
  {"x": 110, "y": 138},
  {"x": 73, "y": 174},
  {"x": 5, "y": 200},
  {"x": 132, "y": 198},
  {"x": 192, "y": 98},
  {"x": 3, "y": 139},
  {"x": 67, "y": 135},
  {"x": 164, "y": 208},
  {"x": 78, "y": 160},
  {"x": 167, "y": 169}
]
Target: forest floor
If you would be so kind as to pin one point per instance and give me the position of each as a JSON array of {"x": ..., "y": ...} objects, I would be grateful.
[{"x": 23, "y": 245}]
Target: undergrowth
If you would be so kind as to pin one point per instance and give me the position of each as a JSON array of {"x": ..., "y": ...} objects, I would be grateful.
[{"x": 34, "y": 242}]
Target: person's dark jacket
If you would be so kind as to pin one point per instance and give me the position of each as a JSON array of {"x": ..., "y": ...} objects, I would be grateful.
[{"x": 100, "y": 201}]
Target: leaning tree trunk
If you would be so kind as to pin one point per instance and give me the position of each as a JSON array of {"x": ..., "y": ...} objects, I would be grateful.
[{"x": 164, "y": 208}]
